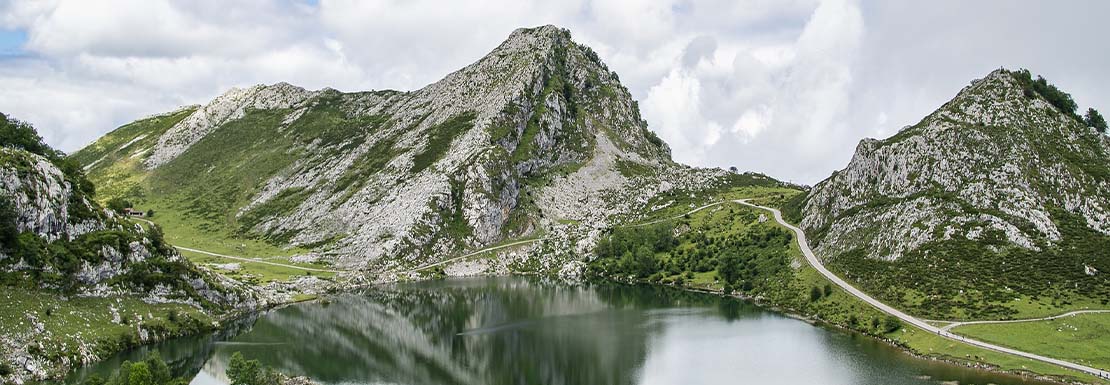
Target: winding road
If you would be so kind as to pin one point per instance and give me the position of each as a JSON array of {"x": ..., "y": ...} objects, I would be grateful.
[{"x": 943, "y": 332}]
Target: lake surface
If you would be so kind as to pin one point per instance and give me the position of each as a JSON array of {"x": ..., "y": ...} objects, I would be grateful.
[{"x": 514, "y": 330}]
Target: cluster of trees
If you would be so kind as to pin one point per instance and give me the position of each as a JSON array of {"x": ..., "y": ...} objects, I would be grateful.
[
  {"x": 632, "y": 250},
  {"x": 741, "y": 260},
  {"x": 1058, "y": 98},
  {"x": 241, "y": 371},
  {"x": 1062, "y": 100},
  {"x": 150, "y": 371},
  {"x": 816, "y": 293},
  {"x": 882, "y": 325},
  {"x": 154, "y": 371},
  {"x": 21, "y": 135}
]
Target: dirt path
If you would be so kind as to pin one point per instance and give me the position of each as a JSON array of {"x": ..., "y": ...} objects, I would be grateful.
[
  {"x": 244, "y": 259},
  {"x": 953, "y": 324},
  {"x": 471, "y": 254}
]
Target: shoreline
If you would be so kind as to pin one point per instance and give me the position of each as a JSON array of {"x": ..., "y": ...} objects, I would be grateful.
[
  {"x": 817, "y": 322},
  {"x": 756, "y": 300}
]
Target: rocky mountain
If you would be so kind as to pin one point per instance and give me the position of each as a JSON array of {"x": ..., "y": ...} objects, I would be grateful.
[
  {"x": 54, "y": 236},
  {"x": 1001, "y": 195},
  {"x": 537, "y": 137}
]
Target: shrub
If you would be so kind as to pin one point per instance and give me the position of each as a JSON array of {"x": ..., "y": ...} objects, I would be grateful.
[
  {"x": 891, "y": 324},
  {"x": 814, "y": 294},
  {"x": 1095, "y": 119}
]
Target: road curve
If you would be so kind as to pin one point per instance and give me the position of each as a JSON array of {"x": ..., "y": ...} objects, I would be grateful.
[
  {"x": 1011, "y": 321},
  {"x": 816, "y": 263}
]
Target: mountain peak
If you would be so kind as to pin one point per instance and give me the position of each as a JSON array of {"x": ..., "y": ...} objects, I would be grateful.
[
  {"x": 535, "y": 131},
  {"x": 1002, "y": 154}
]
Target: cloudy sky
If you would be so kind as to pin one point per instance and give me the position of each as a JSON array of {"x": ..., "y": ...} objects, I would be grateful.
[{"x": 781, "y": 87}]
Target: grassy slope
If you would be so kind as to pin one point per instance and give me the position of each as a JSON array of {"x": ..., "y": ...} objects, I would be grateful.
[
  {"x": 77, "y": 321},
  {"x": 1081, "y": 338},
  {"x": 196, "y": 197}
]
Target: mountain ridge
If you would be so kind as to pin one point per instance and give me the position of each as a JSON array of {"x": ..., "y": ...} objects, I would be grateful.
[{"x": 535, "y": 135}]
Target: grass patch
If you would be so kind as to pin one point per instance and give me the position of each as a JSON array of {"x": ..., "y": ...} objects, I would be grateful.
[
  {"x": 259, "y": 273},
  {"x": 439, "y": 140},
  {"x": 73, "y": 322},
  {"x": 930, "y": 345},
  {"x": 1082, "y": 338}
]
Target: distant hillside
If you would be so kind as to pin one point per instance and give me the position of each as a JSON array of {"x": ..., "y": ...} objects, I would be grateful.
[{"x": 996, "y": 203}]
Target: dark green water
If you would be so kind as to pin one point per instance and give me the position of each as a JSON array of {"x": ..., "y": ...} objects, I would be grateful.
[{"x": 528, "y": 331}]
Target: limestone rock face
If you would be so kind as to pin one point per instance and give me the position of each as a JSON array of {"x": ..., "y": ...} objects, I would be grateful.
[
  {"x": 537, "y": 134},
  {"x": 995, "y": 161}
]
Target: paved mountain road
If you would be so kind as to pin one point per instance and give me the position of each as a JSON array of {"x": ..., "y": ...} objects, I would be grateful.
[{"x": 943, "y": 332}]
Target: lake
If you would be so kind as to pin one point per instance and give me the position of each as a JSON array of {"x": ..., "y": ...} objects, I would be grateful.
[{"x": 517, "y": 330}]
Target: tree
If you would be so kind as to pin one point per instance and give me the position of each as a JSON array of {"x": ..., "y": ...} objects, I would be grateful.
[
  {"x": 814, "y": 294},
  {"x": 875, "y": 322},
  {"x": 853, "y": 320},
  {"x": 241, "y": 371},
  {"x": 733, "y": 169},
  {"x": 140, "y": 375},
  {"x": 9, "y": 228},
  {"x": 891, "y": 324},
  {"x": 151, "y": 371},
  {"x": 150, "y": 213},
  {"x": 1060, "y": 99},
  {"x": 123, "y": 375},
  {"x": 118, "y": 204},
  {"x": 159, "y": 371},
  {"x": 728, "y": 268},
  {"x": 645, "y": 263},
  {"x": 1095, "y": 119},
  {"x": 14, "y": 133},
  {"x": 828, "y": 290}
]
